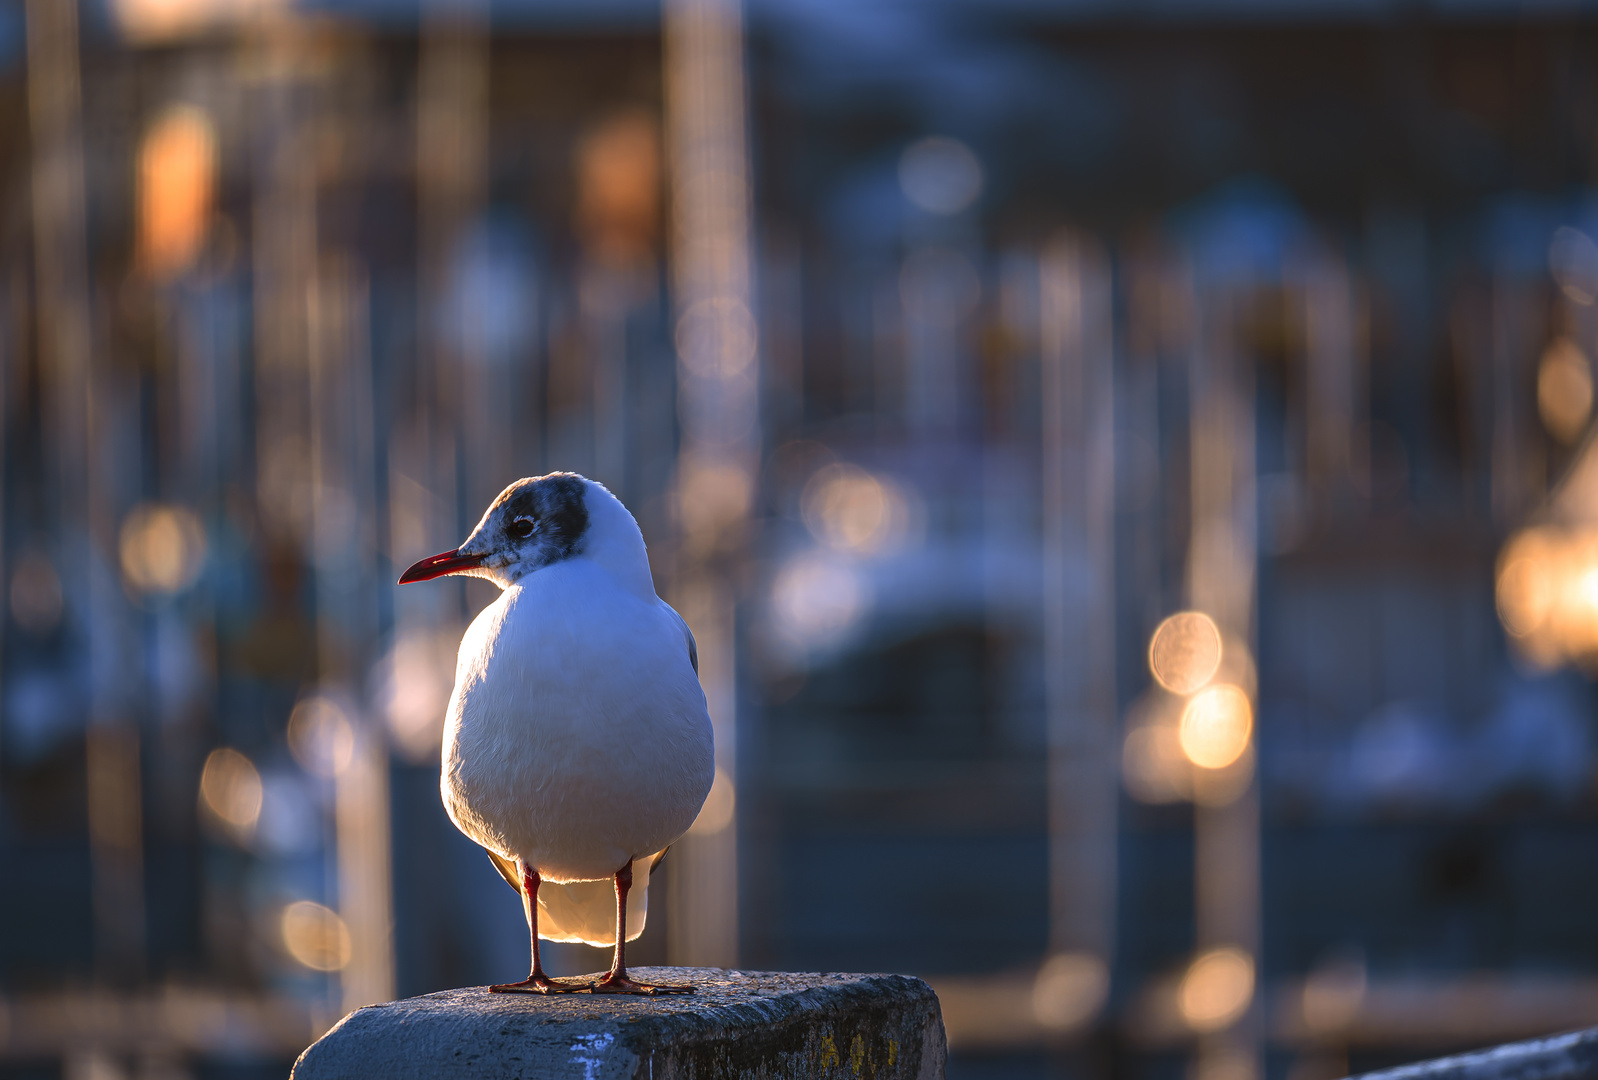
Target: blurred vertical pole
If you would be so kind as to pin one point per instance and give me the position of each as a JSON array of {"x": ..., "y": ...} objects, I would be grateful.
[
  {"x": 617, "y": 166},
  {"x": 12, "y": 352},
  {"x": 451, "y": 148},
  {"x": 718, "y": 407},
  {"x": 603, "y": 301},
  {"x": 1329, "y": 413},
  {"x": 606, "y": 292},
  {"x": 313, "y": 433},
  {"x": 283, "y": 250},
  {"x": 1076, "y": 352},
  {"x": 283, "y": 245},
  {"x": 1221, "y": 565},
  {"x": 343, "y": 507},
  {"x": 87, "y": 520},
  {"x": 365, "y": 873},
  {"x": 1511, "y": 468}
]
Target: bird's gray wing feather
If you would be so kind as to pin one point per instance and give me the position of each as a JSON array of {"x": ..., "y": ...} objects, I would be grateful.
[
  {"x": 693, "y": 647},
  {"x": 507, "y": 870}
]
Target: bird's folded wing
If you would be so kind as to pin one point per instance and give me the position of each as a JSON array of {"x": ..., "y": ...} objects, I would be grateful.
[
  {"x": 688, "y": 637},
  {"x": 508, "y": 871}
]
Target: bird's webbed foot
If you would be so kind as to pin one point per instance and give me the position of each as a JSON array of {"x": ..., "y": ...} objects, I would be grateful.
[
  {"x": 614, "y": 983},
  {"x": 539, "y": 983}
]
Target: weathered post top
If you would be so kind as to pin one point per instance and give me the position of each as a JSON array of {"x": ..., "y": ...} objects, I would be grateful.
[
  {"x": 746, "y": 1024},
  {"x": 1572, "y": 1056}
]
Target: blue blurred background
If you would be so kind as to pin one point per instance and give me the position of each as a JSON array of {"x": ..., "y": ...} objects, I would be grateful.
[{"x": 1127, "y": 467}]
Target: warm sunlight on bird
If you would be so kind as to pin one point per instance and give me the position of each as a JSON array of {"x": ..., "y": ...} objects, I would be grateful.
[{"x": 577, "y": 746}]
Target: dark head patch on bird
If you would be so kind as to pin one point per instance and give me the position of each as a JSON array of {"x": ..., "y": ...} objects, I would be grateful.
[{"x": 535, "y": 522}]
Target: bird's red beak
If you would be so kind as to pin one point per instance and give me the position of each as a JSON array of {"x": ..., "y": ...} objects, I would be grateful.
[{"x": 447, "y": 562}]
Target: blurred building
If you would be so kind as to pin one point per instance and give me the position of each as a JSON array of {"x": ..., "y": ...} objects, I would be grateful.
[{"x": 1129, "y": 472}]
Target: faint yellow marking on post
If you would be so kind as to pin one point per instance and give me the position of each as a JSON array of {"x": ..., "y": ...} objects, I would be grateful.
[
  {"x": 829, "y": 1054},
  {"x": 857, "y": 1054},
  {"x": 893, "y": 1052}
]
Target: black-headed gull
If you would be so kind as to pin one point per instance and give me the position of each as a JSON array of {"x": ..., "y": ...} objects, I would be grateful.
[{"x": 577, "y": 742}]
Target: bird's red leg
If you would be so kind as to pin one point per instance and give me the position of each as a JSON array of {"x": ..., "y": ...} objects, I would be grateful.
[
  {"x": 616, "y": 980},
  {"x": 536, "y": 982}
]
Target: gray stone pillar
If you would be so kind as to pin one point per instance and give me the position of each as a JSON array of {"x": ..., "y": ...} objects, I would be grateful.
[
  {"x": 1573, "y": 1056},
  {"x": 755, "y": 1025}
]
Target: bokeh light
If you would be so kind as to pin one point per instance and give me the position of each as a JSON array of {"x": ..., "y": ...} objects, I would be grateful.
[
  {"x": 1070, "y": 990},
  {"x": 230, "y": 788},
  {"x": 1564, "y": 390},
  {"x": 162, "y": 548},
  {"x": 1185, "y": 651},
  {"x": 618, "y": 187},
  {"x": 177, "y": 175},
  {"x": 315, "y": 936},
  {"x": 711, "y": 495},
  {"x": 849, "y": 509},
  {"x": 1216, "y": 725},
  {"x": 940, "y": 175},
  {"x": 816, "y": 597},
  {"x": 414, "y": 682},
  {"x": 1547, "y": 594},
  {"x": 1216, "y": 989},
  {"x": 720, "y": 804},
  {"x": 321, "y": 737},
  {"x": 151, "y": 21},
  {"x": 1525, "y": 591}
]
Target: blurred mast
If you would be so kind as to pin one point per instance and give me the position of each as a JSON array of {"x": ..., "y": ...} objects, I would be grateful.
[
  {"x": 87, "y": 518},
  {"x": 343, "y": 548},
  {"x": 451, "y": 148},
  {"x": 1512, "y": 323},
  {"x": 1220, "y": 583},
  {"x": 429, "y": 459},
  {"x": 618, "y": 177},
  {"x": 717, "y": 402},
  {"x": 343, "y": 509},
  {"x": 1076, "y": 350},
  {"x": 283, "y": 255},
  {"x": 314, "y": 437},
  {"x": 1330, "y": 413}
]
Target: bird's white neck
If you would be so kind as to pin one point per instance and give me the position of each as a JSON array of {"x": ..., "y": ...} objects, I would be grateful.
[{"x": 615, "y": 542}]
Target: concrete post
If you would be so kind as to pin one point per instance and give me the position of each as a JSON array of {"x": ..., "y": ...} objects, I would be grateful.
[{"x": 755, "y": 1025}]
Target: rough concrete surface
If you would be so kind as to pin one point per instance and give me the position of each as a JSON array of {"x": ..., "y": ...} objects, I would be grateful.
[
  {"x": 1561, "y": 1057},
  {"x": 751, "y": 1024}
]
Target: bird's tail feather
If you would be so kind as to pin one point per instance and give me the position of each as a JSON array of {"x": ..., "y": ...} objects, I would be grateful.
[{"x": 586, "y": 910}]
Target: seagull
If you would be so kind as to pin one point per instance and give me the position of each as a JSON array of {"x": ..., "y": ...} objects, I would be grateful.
[{"x": 577, "y": 746}]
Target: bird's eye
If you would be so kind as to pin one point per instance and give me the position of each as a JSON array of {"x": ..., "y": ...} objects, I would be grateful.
[{"x": 523, "y": 527}]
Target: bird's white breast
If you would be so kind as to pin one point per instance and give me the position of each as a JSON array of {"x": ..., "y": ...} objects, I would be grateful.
[{"x": 577, "y": 736}]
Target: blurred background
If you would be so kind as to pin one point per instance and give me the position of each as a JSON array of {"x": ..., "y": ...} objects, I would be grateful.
[{"x": 1127, "y": 467}]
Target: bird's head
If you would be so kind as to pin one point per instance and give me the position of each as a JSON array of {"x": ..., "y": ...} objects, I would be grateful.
[{"x": 535, "y": 522}]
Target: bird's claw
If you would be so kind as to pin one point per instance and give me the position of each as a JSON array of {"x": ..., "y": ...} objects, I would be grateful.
[
  {"x": 540, "y": 984},
  {"x": 621, "y": 984}
]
